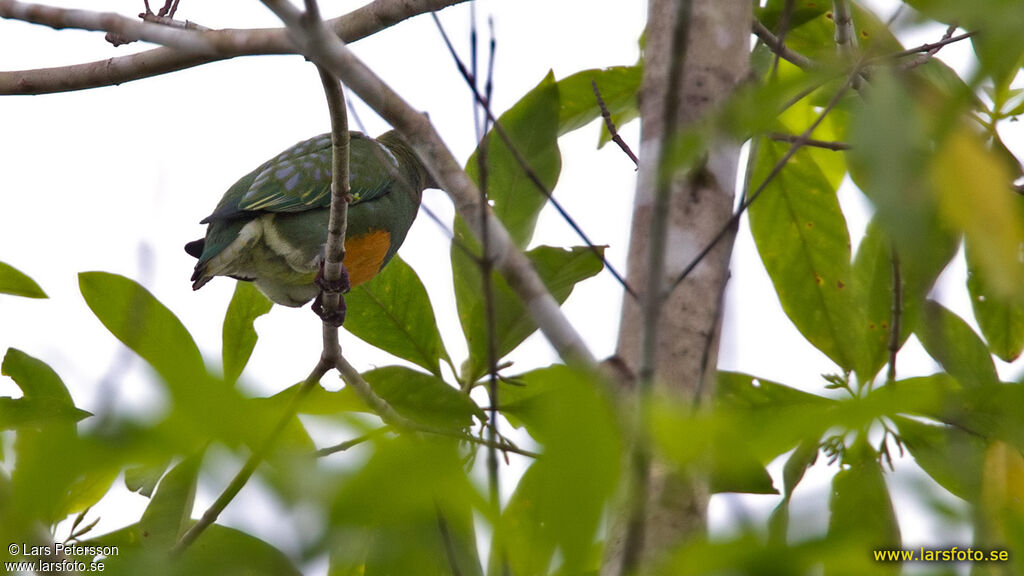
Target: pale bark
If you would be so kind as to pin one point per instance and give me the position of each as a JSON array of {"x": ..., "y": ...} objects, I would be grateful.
[{"x": 700, "y": 204}]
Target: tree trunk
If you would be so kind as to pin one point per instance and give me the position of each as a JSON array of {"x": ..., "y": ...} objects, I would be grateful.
[{"x": 712, "y": 47}]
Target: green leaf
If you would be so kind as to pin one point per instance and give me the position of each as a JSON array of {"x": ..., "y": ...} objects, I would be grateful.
[
  {"x": 393, "y": 313},
  {"x": 532, "y": 126},
  {"x": 799, "y": 461},
  {"x": 239, "y": 337},
  {"x": 772, "y": 418},
  {"x": 558, "y": 268},
  {"x": 618, "y": 85},
  {"x": 203, "y": 405},
  {"x": 16, "y": 283},
  {"x": 951, "y": 456},
  {"x": 421, "y": 397},
  {"x": 889, "y": 153},
  {"x": 1000, "y": 318},
  {"x": 972, "y": 186},
  {"x": 415, "y": 482},
  {"x": 169, "y": 512},
  {"x": 562, "y": 503},
  {"x": 802, "y": 238},
  {"x": 861, "y": 510},
  {"x": 952, "y": 343},
  {"x": 873, "y": 279},
  {"x": 140, "y": 322},
  {"x": 221, "y": 551},
  {"x": 45, "y": 398}
]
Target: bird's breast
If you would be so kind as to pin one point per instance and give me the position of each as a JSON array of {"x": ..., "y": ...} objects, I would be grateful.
[{"x": 364, "y": 255}]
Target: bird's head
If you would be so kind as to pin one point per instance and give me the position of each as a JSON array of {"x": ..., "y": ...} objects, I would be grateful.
[{"x": 408, "y": 159}]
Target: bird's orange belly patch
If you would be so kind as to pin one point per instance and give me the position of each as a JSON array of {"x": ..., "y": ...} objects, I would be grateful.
[{"x": 364, "y": 255}]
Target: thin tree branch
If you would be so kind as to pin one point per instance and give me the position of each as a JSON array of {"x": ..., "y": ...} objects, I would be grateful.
[
  {"x": 932, "y": 49},
  {"x": 610, "y": 124},
  {"x": 811, "y": 142},
  {"x": 356, "y": 25},
  {"x": 524, "y": 165},
  {"x": 328, "y": 51},
  {"x": 253, "y": 462},
  {"x": 348, "y": 444},
  {"x": 896, "y": 317},
  {"x": 843, "y": 19},
  {"x": 337, "y": 224},
  {"x": 777, "y": 46},
  {"x": 490, "y": 314}
]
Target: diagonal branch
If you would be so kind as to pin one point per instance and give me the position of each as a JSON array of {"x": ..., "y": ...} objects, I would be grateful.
[
  {"x": 229, "y": 43},
  {"x": 330, "y": 52}
]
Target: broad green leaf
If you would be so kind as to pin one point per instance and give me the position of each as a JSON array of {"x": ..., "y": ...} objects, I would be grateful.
[
  {"x": 44, "y": 397},
  {"x": 390, "y": 509},
  {"x": 888, "y": 155},
  {"x": 421, "y": 397},
  {"x": 393, "y": 313},
  {"x": 873, "y": 278},
  {"x": 203, "y": 405},
  {"x": 144, "y": 478},
  {"x": 140, "y": 322},
  {"x": 558, "y": 268},
  {"x": 532, "y": 126},
  {"x": 169, "y": 512},
  {"x": 1000, "y": 319},
  {"x": 734, "y": 468},
  {"x": 952, "y": 343},
  {"x": 1001, "y": 508},
  {"x": 573, "y": 480},
  {"x": 239, "y": 337},
  {"x": 799, "y": 461},
  {"x": 221, "y": 551},
  {"x": 14, "y": 282},
  {"x": 523, "y": 541},
  {"x": 973, "y": 194},
  {"x": 951, "y": 456},
  {"x": 771, "y": 417},
  {"x": 19, "y": 412},
  {"x": 618, "y": 86},
  {"x": 802, "y": 238},
  {"x": 860, "y": 506}
]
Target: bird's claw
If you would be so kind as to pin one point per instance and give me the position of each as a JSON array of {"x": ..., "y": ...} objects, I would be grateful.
[
  {"x": 341, "y": 286},
  {"x": 334, "y": 317}
]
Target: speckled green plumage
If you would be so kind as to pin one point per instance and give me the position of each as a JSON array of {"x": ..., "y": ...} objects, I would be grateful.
[{"x": 270, "y": 227}]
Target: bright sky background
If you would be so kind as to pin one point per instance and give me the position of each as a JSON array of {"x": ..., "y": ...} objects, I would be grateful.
[{"x": 116, "y": 179}]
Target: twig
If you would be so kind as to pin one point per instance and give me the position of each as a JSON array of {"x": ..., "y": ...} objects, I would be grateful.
[
  {"x": 932, "y": 49},
  {"x": 253, "y": 462},
  {"x": 524, "y": 165},
  {"x": 328, "y": 51},
  {"x": 787, "y": 15},
  {"x": 486, "y": 271},
  {"x": 337, "y": 224},
  {"x": 348, "y": 444},
  {"x": 824, "y": 144},
  {"x": 358, "y": 24},
  {"x": 777, "y": 46},
  {"x": 610, "y": 124},
  {"x": 896, "y": 316},
  {"x": 843, "y": 19}
]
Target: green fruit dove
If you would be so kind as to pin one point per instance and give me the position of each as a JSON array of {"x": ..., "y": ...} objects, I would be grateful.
[{"x": 271, "y": 226}]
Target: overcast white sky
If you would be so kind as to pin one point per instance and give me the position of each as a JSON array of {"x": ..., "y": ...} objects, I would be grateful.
[{"x": 116, "y": 179}]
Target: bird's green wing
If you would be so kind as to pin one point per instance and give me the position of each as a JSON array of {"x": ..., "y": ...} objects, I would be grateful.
[{"x": 299, "y": 178}]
